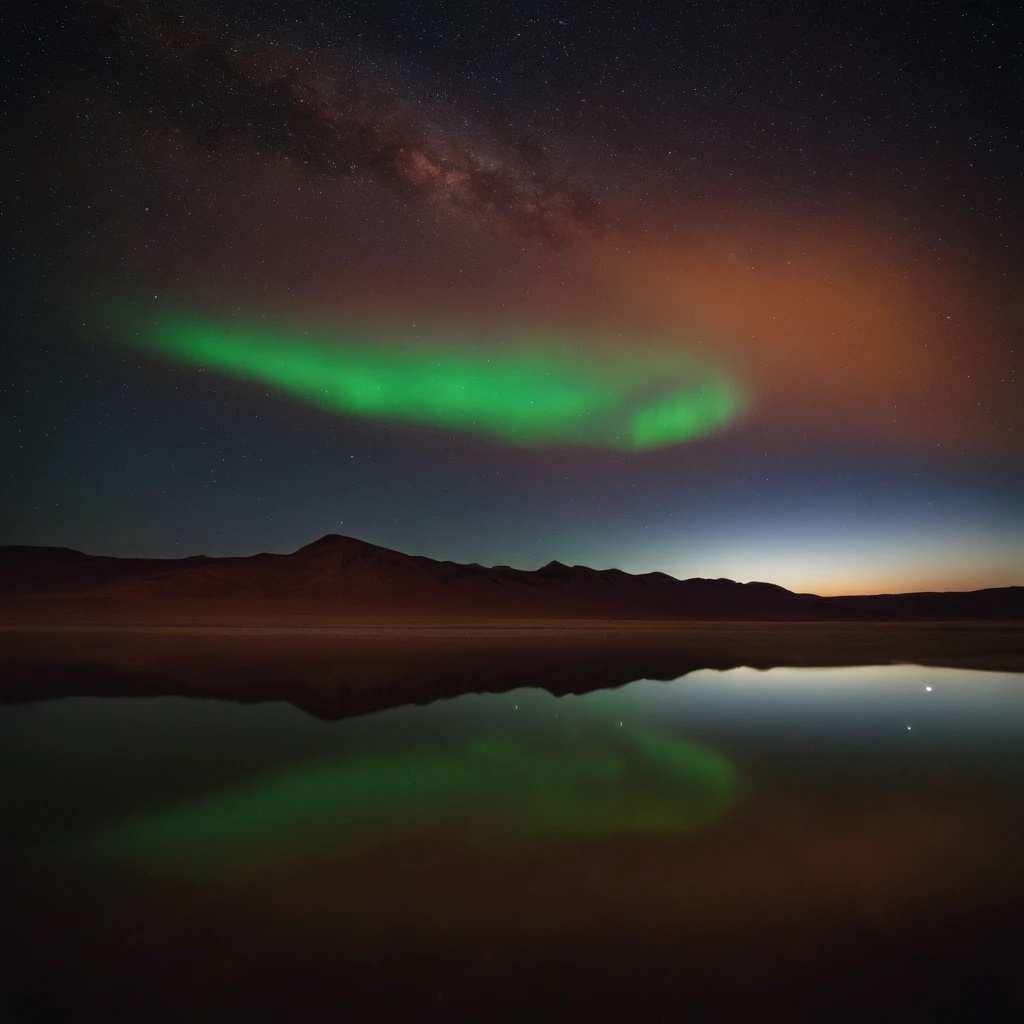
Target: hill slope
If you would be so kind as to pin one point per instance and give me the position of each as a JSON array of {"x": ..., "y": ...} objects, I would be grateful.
[{"x": 342, "y": 576}]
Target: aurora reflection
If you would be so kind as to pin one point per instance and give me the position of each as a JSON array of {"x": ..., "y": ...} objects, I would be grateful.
[
  {"x": 484, "y": 789},
  {"x": 526, "y": 391}
]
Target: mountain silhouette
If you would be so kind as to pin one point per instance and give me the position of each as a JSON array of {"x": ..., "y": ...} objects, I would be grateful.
[{"x": 345, "y": 578}]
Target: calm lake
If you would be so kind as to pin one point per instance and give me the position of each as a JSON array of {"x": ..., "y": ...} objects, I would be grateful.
[{"x": 825, "y": 842}]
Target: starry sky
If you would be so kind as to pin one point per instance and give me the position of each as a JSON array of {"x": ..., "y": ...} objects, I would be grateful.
[{"x": 718, "y": 289}]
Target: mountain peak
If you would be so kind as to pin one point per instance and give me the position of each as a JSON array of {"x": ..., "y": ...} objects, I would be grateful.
[{"x": 335, "y": 542}]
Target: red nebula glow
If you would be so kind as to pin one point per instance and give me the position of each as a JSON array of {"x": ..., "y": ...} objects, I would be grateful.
[{"x": 833, "y": 324}]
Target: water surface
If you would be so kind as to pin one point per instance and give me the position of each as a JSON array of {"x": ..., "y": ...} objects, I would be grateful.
[{"x": 828, "y": 841}]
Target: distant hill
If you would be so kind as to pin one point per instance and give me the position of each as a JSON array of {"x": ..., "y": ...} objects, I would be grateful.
[{"x": 347, "y": 578}]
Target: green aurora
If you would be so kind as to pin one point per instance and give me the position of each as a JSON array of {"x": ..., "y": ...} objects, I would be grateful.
[
  {"x": 485, "y": 789},
  {"x": 526, "y": 390}
]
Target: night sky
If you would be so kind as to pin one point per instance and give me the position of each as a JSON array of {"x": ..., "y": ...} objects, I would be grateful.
[{"x": 718, "y": 289}]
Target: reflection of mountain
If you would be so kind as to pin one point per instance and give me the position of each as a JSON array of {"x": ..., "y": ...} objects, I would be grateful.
[
  {"x": 335, "y": 673},
  {"x": 339, "y": 578},
  {"x": 340, "y": 686}
]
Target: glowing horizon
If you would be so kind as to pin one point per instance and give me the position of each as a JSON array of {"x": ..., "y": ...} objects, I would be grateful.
[{"x": 865, "y": 563}]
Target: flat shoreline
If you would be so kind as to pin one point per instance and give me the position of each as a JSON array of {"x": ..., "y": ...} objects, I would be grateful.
[{"x": 485, "y": 627}]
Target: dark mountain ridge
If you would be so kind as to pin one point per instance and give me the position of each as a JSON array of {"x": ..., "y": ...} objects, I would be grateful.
[{"x": 343, "y": 576}]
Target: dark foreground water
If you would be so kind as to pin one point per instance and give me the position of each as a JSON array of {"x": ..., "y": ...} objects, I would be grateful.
[{"x": 822, "y": 843}]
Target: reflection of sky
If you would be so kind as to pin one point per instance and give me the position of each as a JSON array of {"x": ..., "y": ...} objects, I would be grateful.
[
  {"x": 206, "y": 799},
  {"x": 880, "y": 699},
  {"x": 484, "y": 789},
  {"x": 870, "y": 729},
  {"x": 171, "y": 773}
]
